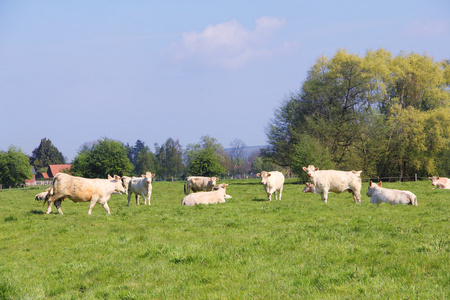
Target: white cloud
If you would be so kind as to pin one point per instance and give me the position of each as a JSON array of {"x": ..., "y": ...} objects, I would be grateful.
[{"x": 229, "y": 44}]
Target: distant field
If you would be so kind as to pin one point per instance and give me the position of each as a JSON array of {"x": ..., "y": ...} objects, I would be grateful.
[{"x": 297, "y": 248}]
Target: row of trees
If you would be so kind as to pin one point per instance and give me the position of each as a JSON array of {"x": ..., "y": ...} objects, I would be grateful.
[
  {"x": 385, "y": 115},
  {"x": 105, "y": 156}
]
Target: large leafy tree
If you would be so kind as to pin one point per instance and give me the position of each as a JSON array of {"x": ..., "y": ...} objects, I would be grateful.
[
  {"x": 46, "y": 154},
  {"x": 105, "y": 157},
  {"x": 142, "y": 158},
  {"x": 169, "y": 159},
  {"x": 14, "y": 167},
  {"x": 381, "y": 114},
  {"x": 198, "y": 154}
]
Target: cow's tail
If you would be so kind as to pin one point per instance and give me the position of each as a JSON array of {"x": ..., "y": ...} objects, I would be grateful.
[{"x": 413, "y": 200}]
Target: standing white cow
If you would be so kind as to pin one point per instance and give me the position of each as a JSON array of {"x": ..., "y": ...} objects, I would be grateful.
[
  {"x": 273, "y": 183},
  {"x": 335, "y": 181},
  {"x": 80, "y": 189},
  {"x": 379, "y": 194},
  {"x": 141, "y": 187},
  {"x": 440, "y": 182},
  {"x": 217, "y": 196},
  {"x": 199, "y": 183}
]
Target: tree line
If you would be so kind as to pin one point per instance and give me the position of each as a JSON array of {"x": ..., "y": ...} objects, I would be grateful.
[
  {"x": 168, "y": 161},
  {"x": 383, "y": 114},
  {"x": 386, "y": 115}
]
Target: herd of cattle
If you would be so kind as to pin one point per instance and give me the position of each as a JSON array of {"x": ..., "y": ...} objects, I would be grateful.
[{"x": 205, "y": 191}]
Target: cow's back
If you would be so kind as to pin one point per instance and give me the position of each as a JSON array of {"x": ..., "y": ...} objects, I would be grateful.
[{"x": 337, "y": 181}]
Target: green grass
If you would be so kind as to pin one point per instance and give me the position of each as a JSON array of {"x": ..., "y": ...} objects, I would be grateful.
[{"x": 296, "y": 248}]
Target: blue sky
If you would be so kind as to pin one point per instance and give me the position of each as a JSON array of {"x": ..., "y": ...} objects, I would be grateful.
[{"x": 77, "y": 71}]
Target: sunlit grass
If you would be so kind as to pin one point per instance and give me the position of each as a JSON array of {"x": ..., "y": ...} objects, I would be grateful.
[{"x": 246, "y": 248}]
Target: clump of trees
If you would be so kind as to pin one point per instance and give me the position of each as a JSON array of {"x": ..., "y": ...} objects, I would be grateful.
[
  {"x": 378, "y": 113},
  {"x": 46, "y": 154},
  {"x": 14, "y": 167}
]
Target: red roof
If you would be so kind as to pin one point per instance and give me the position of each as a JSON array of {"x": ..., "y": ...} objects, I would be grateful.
[
  {"x": 44, "y": 175},
  {"x": 54, "y": 169}
]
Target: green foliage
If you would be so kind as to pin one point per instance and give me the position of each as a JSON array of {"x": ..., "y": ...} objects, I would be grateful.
[
  {"x": 14, "y": 167},
  {"x": 46, "y": 154},
  {"x": 169, "y": 159},
  {"x": 246, "y": 248},
  {"x": 142, "y": 158},
  {"x": 381, "y": 114},
  {"x": 205, "y": 163},
  {"x": 105, "y": 157}
]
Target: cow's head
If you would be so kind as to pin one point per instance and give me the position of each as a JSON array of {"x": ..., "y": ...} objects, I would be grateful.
[
  {"x": 264, "y": 176},
  {"x": 149, "y": 177},
  {"x": 372, "y": 187},
  {"x": 310, "y": 170},
  {"x": 213, "y": 180},
  {"x": 434, "y": 180},
  {"x": 118, "y": 186}
]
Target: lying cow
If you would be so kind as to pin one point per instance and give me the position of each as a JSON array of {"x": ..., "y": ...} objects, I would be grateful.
[
  {"x": 309, "y": 188},
  {"x": 141, "y": 186},
  {"x": 198, "y": 184},
  {"x": 326, "y": 181},
  {"x": 42, "y": 196},
  {"x": 80, "y": 189},
  {"x": 378, "y": 194},
  {"x": 273, "y": 183},
  {"x": 440, "y": 182},
  {"x": 216, "y": 196}
]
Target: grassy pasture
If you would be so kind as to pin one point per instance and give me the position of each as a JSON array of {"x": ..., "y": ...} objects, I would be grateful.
[{"x": 246, "y": 248}]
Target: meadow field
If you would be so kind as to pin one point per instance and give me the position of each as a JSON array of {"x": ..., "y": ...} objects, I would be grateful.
[{"x": 247, "y": 248}]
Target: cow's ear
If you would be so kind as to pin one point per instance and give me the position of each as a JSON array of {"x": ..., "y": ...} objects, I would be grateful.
[
  {"x": 438, "y": 178},
  {"x": 153, "y": 175},
  {"x": 304, "y": 169},
  {"x": 317, "y": 169},
  {"x": 379, "y": 183},
  {"x": 109, "y": 177},
  {"x": 268, "y": 175},
  {"x": 258, "y": 175},
  {"x": 217, "y": 179},
  {"x": 143, "y": 175}
]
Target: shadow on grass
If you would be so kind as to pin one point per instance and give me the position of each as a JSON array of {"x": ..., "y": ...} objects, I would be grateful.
[
  {"x": 260, "y": 200},
  {"x": 36, "y": 212}
]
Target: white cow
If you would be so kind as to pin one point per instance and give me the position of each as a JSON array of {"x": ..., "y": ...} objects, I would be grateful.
[
  {"x": 273, "y": 183},
  {"x": 335, "y": 181},
  {"x": 217, "y": 196},
  {"x": 378, "y": 194},
  {"x": 141, "y": 186},
  {"x": 440, "y": 182},
  {"x": 199, "y": 183},
  {"x": 80, "y": 189}
]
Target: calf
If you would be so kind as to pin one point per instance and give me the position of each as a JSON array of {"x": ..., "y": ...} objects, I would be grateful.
[
  {"x": 335, "y": 181},
  {"x": 217, "y": 196},
  {"x": 199, "y": 183},
  {"x": 80, "y": 189},
  {"x": 273, "y": 182},
  {"x": 141, "y": 187},
  {"x": 378, "y": 194},
  {"x": 309, "y": 188},
  {"x": 440, "y": 182}
]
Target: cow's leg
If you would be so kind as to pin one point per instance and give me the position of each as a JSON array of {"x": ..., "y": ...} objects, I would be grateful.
[
  {"x": 137, "y": 199},
  {"x": 106, "y": 207},
  {"x": 58, "y": 206},
  {"x": 280, "y": 192},
  {"x": 358, "y": 197},
  {"x": 129, "y": 198},
  {"x": 325, "y": 195},
  {"x": 149, "y": 195},
  {"x": 92, "y": 204},
  {"x": 270, "y": 196},
  {"x": 49, "y": 207}
]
